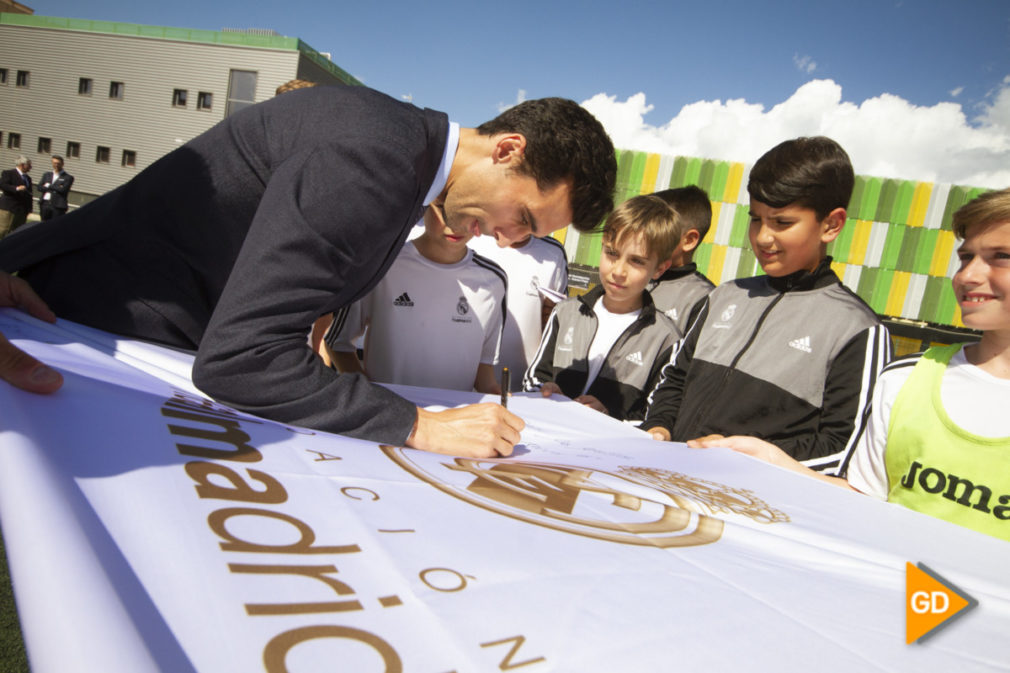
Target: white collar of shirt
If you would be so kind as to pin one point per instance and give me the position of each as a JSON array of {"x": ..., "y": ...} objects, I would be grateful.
[{"x": 442, "y": 176}]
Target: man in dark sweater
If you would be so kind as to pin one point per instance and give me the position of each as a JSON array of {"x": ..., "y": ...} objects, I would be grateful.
[{"x": 235, "y": 243}]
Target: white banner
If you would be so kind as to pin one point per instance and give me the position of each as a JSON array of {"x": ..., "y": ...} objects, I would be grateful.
[{"x": 150, "y": 529}]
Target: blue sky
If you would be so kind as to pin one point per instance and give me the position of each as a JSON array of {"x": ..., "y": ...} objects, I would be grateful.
[{"x": 917, "y": 62}]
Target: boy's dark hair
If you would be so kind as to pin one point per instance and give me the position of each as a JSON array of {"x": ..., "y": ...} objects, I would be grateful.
[
  {"x": 563, "y": 140},
  {"x": 987, "y": 208},
  {"x": 812, "y": 173},
  {"x": 650, "y": 216},
  {"x": 58, "y": 158},
  {"x": 693, "y": 206}
]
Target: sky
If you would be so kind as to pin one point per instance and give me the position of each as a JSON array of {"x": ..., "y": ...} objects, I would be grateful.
[{"x": 913, "y": 89}]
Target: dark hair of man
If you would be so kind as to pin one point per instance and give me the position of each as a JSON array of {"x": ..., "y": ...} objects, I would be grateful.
[
  {"x": 57, "y": 157},
  {"x": 693, "y": 206},
  {"x": 810, "y": 172},
  {"x": 563, "y": 140},
  {"x": 985, "y": 209}
]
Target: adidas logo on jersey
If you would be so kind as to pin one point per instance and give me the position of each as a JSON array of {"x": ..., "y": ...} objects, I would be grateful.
[
  {"x": 635, "y": 358},
  {"x": 403, "y": 300},
  {"x": 802, "y": 344}
]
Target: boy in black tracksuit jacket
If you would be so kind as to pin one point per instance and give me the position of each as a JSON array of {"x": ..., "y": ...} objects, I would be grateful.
[
  {"x": 679, "y": 291},
  {"x": 789, "y": 358},
  {"x": 606, "y": 348}
]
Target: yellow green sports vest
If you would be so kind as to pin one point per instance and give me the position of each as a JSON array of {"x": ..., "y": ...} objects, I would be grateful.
[{"x": 938, "y": 468}]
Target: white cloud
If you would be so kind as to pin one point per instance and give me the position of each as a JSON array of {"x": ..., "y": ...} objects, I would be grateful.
[
  {"x": 804, "y": 63},
  {"x": 886, "y": 135},
  {"x": 520, "y": 97},
  {"x": 956, "y": 91}
]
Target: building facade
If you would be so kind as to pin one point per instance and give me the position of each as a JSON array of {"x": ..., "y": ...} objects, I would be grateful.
[{"x": 112, "y": 98}]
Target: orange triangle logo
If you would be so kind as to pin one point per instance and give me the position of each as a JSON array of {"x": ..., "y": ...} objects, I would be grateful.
[{"x": 930, "y": 602}]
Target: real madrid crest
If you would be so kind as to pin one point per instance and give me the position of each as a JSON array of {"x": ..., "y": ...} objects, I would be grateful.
[{"x": 632, "y": 505}]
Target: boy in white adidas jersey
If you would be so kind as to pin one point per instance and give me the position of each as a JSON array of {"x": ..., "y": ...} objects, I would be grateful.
[
  {"x": 435, "y": 320},
  {"x": 605, "y": 348},
  {"x": 938, "y": 436},
  {"x": 536, "y": 267}
]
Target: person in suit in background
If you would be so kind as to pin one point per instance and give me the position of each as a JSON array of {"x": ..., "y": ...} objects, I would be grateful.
[
  {"x": 54, "y": 187},
  {"x": 16, "y": 199}
]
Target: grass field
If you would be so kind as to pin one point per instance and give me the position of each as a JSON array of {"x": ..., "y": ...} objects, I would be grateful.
[{"x": 12, "y": 648}]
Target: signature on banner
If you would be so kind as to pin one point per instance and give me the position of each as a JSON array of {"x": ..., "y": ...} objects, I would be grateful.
[{"x": 635, "y": 505}]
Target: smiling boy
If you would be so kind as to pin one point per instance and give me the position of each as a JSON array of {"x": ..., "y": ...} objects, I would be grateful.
[
  {"x": 937, "y": 439},
  {"x": 606, "y": 347},
  {"x": 789, "y": 357}
]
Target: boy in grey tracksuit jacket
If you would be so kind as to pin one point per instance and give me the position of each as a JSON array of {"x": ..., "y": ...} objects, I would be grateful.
[
  {"x": 631, "y": 368},
  {"x": 791, "y": 360},
  {"x": 605, "y": 348},
  {"x": 678, "y": 294},
  {"x": 788, "y": 359},
  {"x": 679, "y": 291}
]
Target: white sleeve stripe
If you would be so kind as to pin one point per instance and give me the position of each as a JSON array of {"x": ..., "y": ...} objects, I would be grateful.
[
  {"x": 677, "y": 346},
  {"x": 529, "y": 378},
  {"x": 878, "y": 352},
  {"x": 333, "y": 331},
  {"x": 904, "y": 361}
]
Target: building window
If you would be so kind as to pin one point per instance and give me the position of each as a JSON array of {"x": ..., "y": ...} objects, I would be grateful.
[
  {"x": 73, "y": 150},
  {"x": 116, "y": 90},
  {"x": 241, "y": 91},
  {"x": 84, "y": 86},
  {"x": 204, "y": 100},
  {"x": 23, "y": 77},
  {"x": 129, "y": 158},
  {"x": 179, "y": 98},
  {"x": 3, "y": 76},
  {"x": 45, "y": 145},
  {"x": 102, "y": 155},
  {"x": 13, "y": 141}
]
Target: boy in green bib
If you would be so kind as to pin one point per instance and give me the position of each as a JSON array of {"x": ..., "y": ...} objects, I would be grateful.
[{"x": 938, "y": 436}]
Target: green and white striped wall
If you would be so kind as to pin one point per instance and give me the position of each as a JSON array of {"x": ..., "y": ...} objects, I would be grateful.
[{"x": 897, "y": 250}]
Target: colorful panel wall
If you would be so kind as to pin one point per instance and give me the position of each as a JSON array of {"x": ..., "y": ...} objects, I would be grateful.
[{"x": 897, "y": 250}]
